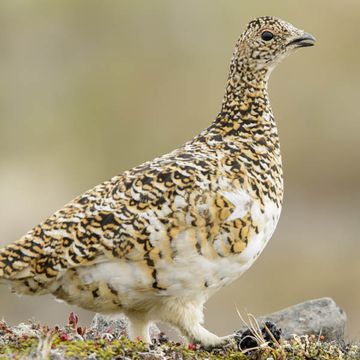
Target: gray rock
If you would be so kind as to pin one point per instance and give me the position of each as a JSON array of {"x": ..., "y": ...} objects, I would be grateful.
[
  {"x": 319, "y": 317},
  {"x": 104, "y": 324},
  {"x": 115, "y": 326}
]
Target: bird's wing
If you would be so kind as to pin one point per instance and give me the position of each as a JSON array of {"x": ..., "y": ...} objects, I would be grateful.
[{"x": 116, "y": 219}]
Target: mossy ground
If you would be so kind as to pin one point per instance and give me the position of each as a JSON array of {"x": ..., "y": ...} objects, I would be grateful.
[{"x": 33, "y": 341}]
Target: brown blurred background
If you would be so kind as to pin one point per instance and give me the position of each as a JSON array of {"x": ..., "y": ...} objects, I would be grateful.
[{"x": 91, "y": 88}]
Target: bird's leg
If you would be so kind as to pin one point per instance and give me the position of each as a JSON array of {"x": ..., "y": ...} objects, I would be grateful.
[
  {"x": 188, "y": 316},
  {"x": 139, "y": 327}
]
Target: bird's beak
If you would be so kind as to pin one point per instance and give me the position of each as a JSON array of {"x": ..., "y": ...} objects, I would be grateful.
[{"x": 303, "y": 41}]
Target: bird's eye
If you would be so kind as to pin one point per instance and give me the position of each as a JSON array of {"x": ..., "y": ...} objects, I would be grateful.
[{"x": 267, "y": 35}]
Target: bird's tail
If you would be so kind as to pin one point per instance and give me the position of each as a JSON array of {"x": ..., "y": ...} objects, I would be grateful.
[
  {"x": 14, "y": 261},
  {"x": 2, "y": 264},
  {"x": 16, "y": 269}
]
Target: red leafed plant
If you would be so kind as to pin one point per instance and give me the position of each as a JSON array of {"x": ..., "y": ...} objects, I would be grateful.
[{"x": 73, "y": 320}]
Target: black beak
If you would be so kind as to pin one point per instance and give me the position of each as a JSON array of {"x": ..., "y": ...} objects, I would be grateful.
[{"x": 303, "y": 41}]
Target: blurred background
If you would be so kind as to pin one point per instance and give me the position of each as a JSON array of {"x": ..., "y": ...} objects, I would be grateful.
[{"x": 90, "y": 88}]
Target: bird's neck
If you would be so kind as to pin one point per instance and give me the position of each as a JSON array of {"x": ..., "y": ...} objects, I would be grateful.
[
  {"x": 245, "y": 133},
  {"x": 246, "y": 116},
  {"x": 246, "y": 97}
]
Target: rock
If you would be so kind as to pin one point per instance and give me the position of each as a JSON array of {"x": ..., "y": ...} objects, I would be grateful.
[
  {"x": 106, "y": 325},
  {"x": 116, "y": 327},
  {"x": 25, "y": 330},
  {"x": 319, "y": 317}
]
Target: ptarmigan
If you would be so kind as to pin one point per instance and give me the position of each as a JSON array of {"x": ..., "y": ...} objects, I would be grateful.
[{"x": 157, "y": 241}]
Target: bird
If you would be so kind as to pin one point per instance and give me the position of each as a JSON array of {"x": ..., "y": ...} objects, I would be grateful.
[{"x": 157, "y": 241}]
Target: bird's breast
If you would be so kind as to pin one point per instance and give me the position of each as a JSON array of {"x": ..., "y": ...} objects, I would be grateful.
[{"x": 210, "y": 257}]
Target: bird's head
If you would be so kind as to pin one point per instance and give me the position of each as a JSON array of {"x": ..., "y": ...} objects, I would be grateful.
[{"x": 266, "y": 41}]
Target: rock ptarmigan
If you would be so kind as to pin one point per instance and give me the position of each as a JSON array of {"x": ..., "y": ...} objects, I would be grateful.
[{"x": 155, "y": 242}]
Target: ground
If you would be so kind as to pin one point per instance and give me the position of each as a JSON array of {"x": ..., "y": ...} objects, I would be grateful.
[{"x": 35, "y": 341}]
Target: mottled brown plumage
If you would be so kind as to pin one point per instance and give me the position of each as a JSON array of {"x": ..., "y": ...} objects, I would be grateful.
[{"x": 158, "y": 240}]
